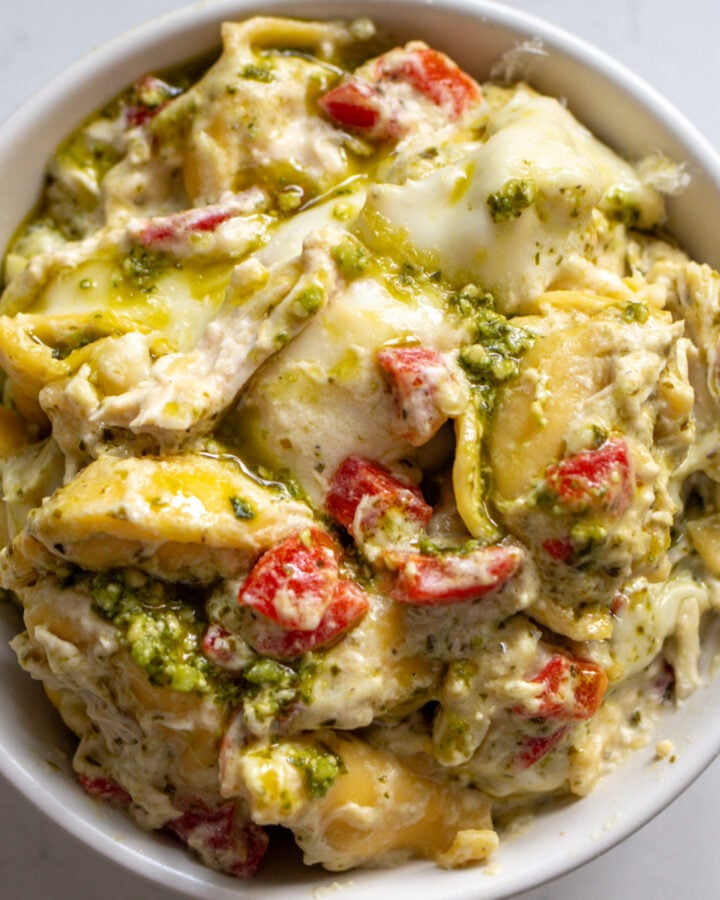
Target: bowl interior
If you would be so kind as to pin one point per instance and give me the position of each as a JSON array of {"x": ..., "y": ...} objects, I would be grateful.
[{"x": 35, "y": 749}]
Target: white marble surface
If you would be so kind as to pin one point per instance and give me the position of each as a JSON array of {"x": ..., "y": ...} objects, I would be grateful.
[{"x": 674, "y": 46}]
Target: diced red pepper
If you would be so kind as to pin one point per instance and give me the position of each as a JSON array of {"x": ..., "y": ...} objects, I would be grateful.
[
  {"x": 434, "y": 75},
  {"x": 356, "y": 105},
  {"x": 165, "y": 232},
  {"x": 534, "y": 747},
  {"x": 348, "y": 606},
  {"x": 105, "y": 788},
  {"x": 215, "y": 644},
  {"x": 560, "y": 549},
  {"x": 362, "y": 104},
  {"x": 358, "y": 478},
  {"x": 150, "y": 95},
  {"x": 601, "y": 480},
  {"x": 224, "y": 649},
  {"x": 619, "y": 605},
  {"x": 293, "y": 583},
  {"x": 136, "y": 114},
  {"x": 221, "y": 838},
  {"x": 415, "y": 375},
  {"x": 664, "y": 682},
  {"x": 218, "y": 822},
  {"x": 572, "y": 689},
  {"x": 453, "y": 577}
]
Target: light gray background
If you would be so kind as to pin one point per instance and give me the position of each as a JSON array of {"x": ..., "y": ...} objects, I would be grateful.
[{"x": 675, "y": 46}]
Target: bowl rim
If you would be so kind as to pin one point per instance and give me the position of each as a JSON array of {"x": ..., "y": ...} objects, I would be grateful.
[{"x": 171, "y": 27}]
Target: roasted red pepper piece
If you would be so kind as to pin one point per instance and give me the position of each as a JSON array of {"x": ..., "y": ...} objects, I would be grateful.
[
  {"x": 534, "y": 747},
  {"x": 150, "y": 95},
  {"x": 453, "y": 577},
  {"x": 358, "y": 478},
  {"x": 355, "y": 104},
  {"x": 416, "y": 376},
  {"x": 224, "y": 649},
  {"x": 363, "y": 105},
  {"x": 220, "y": 837},
  {"x": 216, "y": 645},
  {"x": 599, "y": 480},
  {"x": 664, "y": 682},
  {"x": 348, "y": 605},
  {"x": 619, "y": 605},
  {"x": 572, "y": 689},
  {"x": 434, "y": 75},
  {"x": 105, "y": 788},
  {"x": 166, "y": 231},
  {"x": 293, "y": 583},
  {"x": 560, "y": 549}
]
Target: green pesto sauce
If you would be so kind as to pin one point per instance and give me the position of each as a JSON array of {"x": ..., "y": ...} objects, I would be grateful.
[
  {"x": 272, "y": 687},
  {"x": 142, "y": 267},
  {"x": 76, "y": 338},
  {"x": 494, "y": 355},
  {"x": 454, "y": 735},
  {"x": 351, "y": 258},
  {"x": 263, "y": 73},
  {"x": 161, "y": 628},
  {"x": 162, "y": 625},
  {"x": 242, "y": 509},
  {"x": 586, "y": 537},
  {"x": 319, "y": 765},
  {"x": 93, "y": 157},
  {"x": 635, "y": 312},
  {"x": 308, "y": 302},
  {"x": 510, "y": 201},
  {"x": 620, "y": 208}
]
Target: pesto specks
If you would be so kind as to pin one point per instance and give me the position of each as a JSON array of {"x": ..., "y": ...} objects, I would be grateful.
[
  {"x": 351, "y": 258},
  {"x": 272, "y": 687},
  {"x": 162, "y": 630},
  {"x": 319, "y": 765},
  {"x": 242, "y": 509},
  {"x": 513, "y": 197}
]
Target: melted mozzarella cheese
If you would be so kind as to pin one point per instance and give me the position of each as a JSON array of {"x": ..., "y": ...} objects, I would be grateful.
[{"x": 447, "y": 220}]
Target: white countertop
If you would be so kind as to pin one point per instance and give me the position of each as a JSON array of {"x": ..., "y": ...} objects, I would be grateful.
[{"x": 674, "y": 46}]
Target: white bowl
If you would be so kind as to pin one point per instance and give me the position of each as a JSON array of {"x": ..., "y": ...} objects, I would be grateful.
[{"x": 34, "y": 747}]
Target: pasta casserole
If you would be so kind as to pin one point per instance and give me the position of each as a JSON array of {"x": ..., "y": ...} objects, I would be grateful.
[{"x": 359, "y": 449}]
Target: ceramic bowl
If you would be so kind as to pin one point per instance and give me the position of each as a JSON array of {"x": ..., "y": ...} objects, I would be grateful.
[{"x": 619, "y": 108}]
